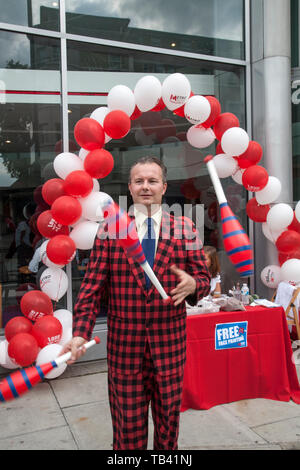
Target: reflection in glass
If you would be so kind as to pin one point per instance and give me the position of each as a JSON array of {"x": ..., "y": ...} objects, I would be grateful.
[
  {"x": 43, "y": 14},
  {"x": 94, "y": 70},
  {"x": 30, "y": 137},
  {"x": 213, "y": 28}
]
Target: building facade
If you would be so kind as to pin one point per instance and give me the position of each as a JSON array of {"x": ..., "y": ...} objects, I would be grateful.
[{"x": 59, "y": 59}]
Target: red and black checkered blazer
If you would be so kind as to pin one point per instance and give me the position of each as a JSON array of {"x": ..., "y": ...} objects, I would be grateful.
[{"x": 135, "y": 314}]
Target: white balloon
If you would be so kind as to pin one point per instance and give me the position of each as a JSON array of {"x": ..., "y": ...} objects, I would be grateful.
[
  {"x": 99, "y": 114},
  {"x": 92, "y": 205},
  {"x": 5, "y": 360},
  {"x": 271, "y": 276},
  {"x": 48, "y": 354},
  {"x": 225, "y": 165},
  {"x": 175, "y": 90},
  {"x": 235, "y": 141},
  {"x": 121, "y": 97},
  {"x": 83, "y": 153},
  {"x": 66, "y": 336},
  {"x": 197, "y": 109},
  {"x": 65, "y": 317},
  {"x": 280, "y": 216},
  {"x": 65, "y": 163},
  {"x": 84, "y": 234},
  {"x": 290, "y": 270},
  {"x": 271, "y": 235},
  {"x": 54, "y": 282},
  {"x": 270, "y": 192},
  {"x": 44, "y": 257},
  {"x": 96, "y": 185},
  {"x": 238, "y": 175},
  {"x": 147, "y": 93},
  {"x": 297, "y": 211},
  {"x": 199, "y": 137}
]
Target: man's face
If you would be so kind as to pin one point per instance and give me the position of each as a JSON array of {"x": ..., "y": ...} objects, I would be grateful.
[{"x": 146, "y": 184}]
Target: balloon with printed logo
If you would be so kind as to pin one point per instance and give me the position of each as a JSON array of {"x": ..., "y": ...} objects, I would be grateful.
[
  {"x": 116, "y": 124},
  {"x": 290, "y": 270},
  {"x": 271, "y": 276},
  {"x": 66, "y": 162},
  {"x": 54, "y": 283},
  {"x": 79, "y": 183},
  {"x": 99, "y": 163},
  {"x": 223, "y": 122},
  {"x": 35, "y": 304},
  {"x": 17, "y": 325},
  {"x": 50, "y": 227},
  {"x": 66, "y": 210},
  {"x": 23, "y": 349},
  {"x": 197, "y": 109},
  {"x": 120, "y": 97},
  {"x": 175, "y": 90},
  {"x": 48, "y": 354},
  {"x": 47, "y": 330},
  {"x": 61, "y": 249},
  {"x": 280, "y": 216},
  {"x": 199, "y": 137},
  {"x": 215, "y": 111},
  {"x": 288, "y": 241},
  {"x": 251, "y": 156},
  {"x": 255, "y": 178},
  {"x": 52, "y": 189},
  {"x": 270, "y": 192},
  {"x": 89, "y": 134},
  {"x": 257, "y": 212},
  {"x": 235, "y": 141},
  {"x": 84, "y": 234},
  {"x": 147, "y": 92}
]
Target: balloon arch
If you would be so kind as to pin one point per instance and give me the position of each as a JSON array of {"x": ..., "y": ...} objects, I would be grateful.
[{"x": 74, "y": 200}]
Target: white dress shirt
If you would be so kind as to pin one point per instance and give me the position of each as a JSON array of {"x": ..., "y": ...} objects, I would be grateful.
[{"x": 142, "y": 227}]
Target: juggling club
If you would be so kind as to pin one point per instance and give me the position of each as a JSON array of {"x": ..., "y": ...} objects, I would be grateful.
[
  {"x": 236, "y": 242},
  {"x": 123, "y": 229},
  {"x": 22, "y": 380}
]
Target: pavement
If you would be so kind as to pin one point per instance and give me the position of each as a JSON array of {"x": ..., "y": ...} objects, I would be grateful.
[{"x": 72, "y": 412}]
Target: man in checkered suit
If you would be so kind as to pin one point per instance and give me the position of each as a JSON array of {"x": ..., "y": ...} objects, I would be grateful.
[{"x": 146, "y": 340}]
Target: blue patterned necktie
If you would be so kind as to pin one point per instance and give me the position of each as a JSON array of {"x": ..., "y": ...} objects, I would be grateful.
[{"x": 148, "y": 245}]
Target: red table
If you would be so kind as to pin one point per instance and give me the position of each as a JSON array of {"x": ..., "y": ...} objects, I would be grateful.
[{"x": 262, "y": 369}]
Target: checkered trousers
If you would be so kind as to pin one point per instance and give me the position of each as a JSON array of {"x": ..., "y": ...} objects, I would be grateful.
[{"x": 136, "y": 314}]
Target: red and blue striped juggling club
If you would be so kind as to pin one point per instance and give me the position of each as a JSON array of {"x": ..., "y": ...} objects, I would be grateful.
[
  {"x": 122, "y": 228},
  {"x": 22, "y": 380},
  {"x": 236, "y": 242}
]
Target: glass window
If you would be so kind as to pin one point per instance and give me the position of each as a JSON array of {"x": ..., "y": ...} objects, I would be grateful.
[
  {"x": 214, "y": 28},
  {"x": 30, "y": 136},
  {"x": 43, "y": 14},
  {"x": 93, "y": 70}
]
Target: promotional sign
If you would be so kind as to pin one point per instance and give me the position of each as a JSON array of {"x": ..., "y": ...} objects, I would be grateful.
[{"x": 231, "y": 335}]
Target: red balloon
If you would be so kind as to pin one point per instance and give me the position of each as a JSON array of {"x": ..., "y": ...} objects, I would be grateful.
[
  {"x": 295, "y": 225},
  {"x": 35, "y": 304},
  {"x": 214, "y": 113},
  {"x": 255, "y": 178},
  {"x": 99, "y": 163},
  {"x": 49, "y": 227},
  {"x": 283, "y": 257},
  {"x": 257, "y": 212},
  {"x": 160, "y": 105},
  {"x": 61, "y": 249},
  {"x": 252, "y": 155},
  {"x": 219, "y": 148},
  {"x": 66, "y": 210},
  {"x": 17, "y": 325},
  {"x": 223, "y": 122},
  {"x": 79, "y": 183},
  {"x": 47, "y": 330},
  {"x": 136, "y": 113},
  {"x": 89, "y": 134},
  {"x": 288, "y": 241},
  {"x": 116, "y": 124},
  {"x": 53, "y": 189},
  {"x": 23, "y": 348}
]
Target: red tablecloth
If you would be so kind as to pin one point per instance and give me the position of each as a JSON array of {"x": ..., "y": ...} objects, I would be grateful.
[{"x": 262, "y": 369}]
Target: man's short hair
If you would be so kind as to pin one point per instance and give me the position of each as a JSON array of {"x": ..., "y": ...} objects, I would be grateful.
[{"x": 149, "y": 159}]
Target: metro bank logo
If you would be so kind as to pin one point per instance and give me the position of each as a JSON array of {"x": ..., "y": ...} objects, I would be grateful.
[{"x": 177, "y": 99}]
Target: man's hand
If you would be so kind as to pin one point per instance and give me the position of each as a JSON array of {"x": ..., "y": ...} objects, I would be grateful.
[
  {"x": 76, "y": 346},
  {"x": 187, "y": 285}
]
